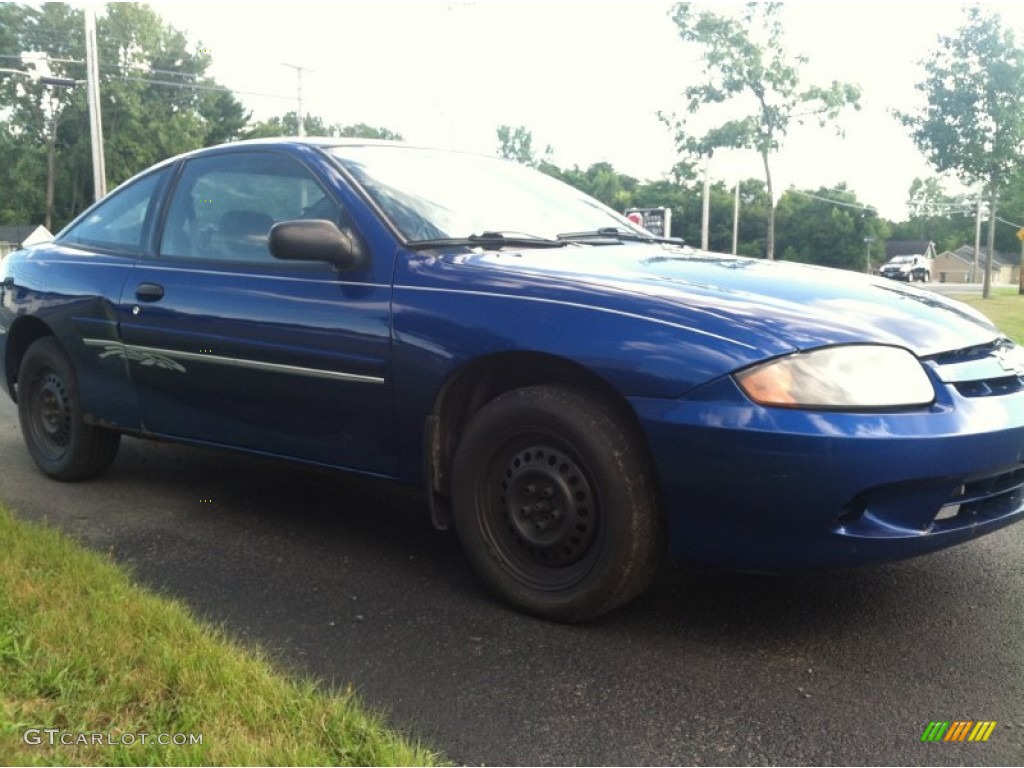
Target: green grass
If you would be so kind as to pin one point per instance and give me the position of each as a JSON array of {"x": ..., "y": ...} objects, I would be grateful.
[
  {"x": 1004, "y": 307},
  {"x": 83, "y": 650}
]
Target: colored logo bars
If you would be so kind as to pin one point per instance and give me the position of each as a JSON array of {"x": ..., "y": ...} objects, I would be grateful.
[{"x": 958, "y": 730}]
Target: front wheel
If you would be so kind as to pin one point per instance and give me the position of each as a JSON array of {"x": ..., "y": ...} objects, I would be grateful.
[
  {"x": 62, "y": 445},
  {"x": 555, "y": 505}
]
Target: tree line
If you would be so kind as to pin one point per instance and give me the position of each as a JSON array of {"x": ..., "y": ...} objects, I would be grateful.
[
  {"x": 157, "y": 100},
  {"x": 828, "y": 226}
]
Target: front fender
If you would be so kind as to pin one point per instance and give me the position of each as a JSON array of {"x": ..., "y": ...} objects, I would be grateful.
[
  {"x": 83, "y": 320},
  {"x": 443, "y": 323}
]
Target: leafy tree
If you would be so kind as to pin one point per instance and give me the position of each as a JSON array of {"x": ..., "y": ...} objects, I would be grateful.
[
  {"x": 745, "y": 63},
  {"x": 155, "y": 99},
  {"x": 364, "y": 131},
  {"x": 601, "y": 181},
  {"x": 973, "y": 124},
  {"x": 829, "y": 227},
  {"x": 755, "y": 207},
  {"x": 33, "y": 111},
  {"x": 937, "y": 216},
  {"x": 517, "y": 144},
  {"x": 314, "y": 125},
  {"x": 224, "y": 117}
]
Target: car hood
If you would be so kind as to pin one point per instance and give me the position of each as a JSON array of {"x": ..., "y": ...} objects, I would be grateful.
[{"x": 797, "y": 305}]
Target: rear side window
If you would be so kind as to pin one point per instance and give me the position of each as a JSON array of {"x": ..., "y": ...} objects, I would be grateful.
[
  {"x": 120, "y": 222},
  {"x": 224, "y": 205}
]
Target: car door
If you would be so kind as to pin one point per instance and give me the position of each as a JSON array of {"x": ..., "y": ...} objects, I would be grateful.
[
  {"x": 75, "y": 285},
  {"x": 232, "y": 347}
]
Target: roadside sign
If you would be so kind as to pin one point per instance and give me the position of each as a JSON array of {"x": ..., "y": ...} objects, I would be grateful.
[{"x": 657, "y": 221}]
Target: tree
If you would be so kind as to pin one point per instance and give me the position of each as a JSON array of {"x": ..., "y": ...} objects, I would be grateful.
[
  {"x": 314, "y": 125},
  {"x": 973, "y": 124},
  {"x": 34, "y": 111},
  {"x": 155, "y": 99},
  {"x": 364, "y": 131},
  {"x": 829, "y": 227},
  {"x": 756, "y": 75},
  {"x": 517, "y": 144},
  {"x": 600, "y": 180},
  {"x": 937, "y": 216}
]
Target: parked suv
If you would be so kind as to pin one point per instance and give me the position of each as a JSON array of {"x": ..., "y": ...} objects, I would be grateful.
[{"x": 907, "y": 268}]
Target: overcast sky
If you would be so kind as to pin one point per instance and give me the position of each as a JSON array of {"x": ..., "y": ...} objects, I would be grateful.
[{"x": 587, "y": 78}]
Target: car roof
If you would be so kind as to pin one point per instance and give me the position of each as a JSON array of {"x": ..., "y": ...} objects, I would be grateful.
[{"x": 320, "y": 142}]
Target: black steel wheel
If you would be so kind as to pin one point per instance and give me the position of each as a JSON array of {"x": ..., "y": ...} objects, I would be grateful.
[
  {"x": 554, "y": 503},
  {"x": 62, "y": 445}
]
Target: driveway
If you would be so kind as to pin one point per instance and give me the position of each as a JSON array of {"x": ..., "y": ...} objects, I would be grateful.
[{"x": 344, "y": 578}]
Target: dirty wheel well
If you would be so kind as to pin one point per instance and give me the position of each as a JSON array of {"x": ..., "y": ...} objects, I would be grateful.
[
  {"x": 482, "y": 381},
  {"x": 23, "y": 333}
]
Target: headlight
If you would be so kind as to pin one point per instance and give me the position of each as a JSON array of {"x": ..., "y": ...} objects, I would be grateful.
[{"x": 849, "y": 377}]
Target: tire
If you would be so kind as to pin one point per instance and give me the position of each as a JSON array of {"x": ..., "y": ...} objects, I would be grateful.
[
  {"x": 62, "y": 445},
  {"x": 555, "y": 505},
  {"x": 926, "y": 277}
]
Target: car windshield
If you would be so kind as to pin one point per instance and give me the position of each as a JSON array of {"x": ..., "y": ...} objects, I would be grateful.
[
  {"x": 434, "y": 194},
  {"x": 901, "y": 259}
]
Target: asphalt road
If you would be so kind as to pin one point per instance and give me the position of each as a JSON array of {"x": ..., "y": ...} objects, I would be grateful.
[{"x": 345, "y": 579}]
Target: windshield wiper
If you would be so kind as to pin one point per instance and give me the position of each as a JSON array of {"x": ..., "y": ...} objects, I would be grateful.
[
  {"x": 490, "y": 241},
  {"x": 618, "y": 235}
]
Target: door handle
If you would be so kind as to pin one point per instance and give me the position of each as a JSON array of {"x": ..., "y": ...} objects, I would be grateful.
[{"x": 149, "y": 292}]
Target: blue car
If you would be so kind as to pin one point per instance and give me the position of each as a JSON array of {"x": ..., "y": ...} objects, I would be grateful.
[{"x": 575, "y": 395}]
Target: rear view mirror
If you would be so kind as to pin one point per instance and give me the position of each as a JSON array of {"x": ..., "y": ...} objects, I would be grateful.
[{"x": 317, "y": 240}]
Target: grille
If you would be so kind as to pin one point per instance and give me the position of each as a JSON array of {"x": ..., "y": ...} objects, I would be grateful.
[
  {"x": 988, "y": 370},
  {"x": 985, "y": 498},
  {"x": 1005, "y": 385}
]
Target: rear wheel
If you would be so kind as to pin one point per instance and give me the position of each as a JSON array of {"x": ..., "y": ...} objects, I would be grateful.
[
  {"x": 62, "y": 445},
  {"x": 554, "y": 504}
]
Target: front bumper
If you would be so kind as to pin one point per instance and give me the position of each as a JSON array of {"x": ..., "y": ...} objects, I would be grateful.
[
  {"x": 764, "y": 488},
  {"x": 896, "y": 275}
]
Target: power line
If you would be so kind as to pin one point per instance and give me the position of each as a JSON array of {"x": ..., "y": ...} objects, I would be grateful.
[
  {"x": 1004, "y": 221},
  {"x": 835, "y": 202},
  {"x": 168, "y": 83},
  {"x": 198, "y": 87}
]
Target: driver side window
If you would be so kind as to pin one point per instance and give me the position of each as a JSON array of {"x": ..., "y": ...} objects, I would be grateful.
[{"x": 224, "y": 205}]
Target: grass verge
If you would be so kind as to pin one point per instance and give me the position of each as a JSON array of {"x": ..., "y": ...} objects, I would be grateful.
[
  {"x": 84, "y": 651},
  {"x": 1005, "y": 308}
]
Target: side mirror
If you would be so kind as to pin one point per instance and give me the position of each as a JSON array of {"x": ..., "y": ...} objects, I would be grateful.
[{"x": 317, "y": 240}]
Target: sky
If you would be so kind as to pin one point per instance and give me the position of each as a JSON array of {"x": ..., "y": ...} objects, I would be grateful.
[{"x": 587, "y": 77}]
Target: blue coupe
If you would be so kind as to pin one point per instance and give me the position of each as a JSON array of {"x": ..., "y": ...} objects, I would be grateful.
[{"x": 575, "y": 395}]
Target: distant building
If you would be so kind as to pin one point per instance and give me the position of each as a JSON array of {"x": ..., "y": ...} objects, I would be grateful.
[
  {"x": 958, "y": 266},
  {"x": 13, "y": 237}
]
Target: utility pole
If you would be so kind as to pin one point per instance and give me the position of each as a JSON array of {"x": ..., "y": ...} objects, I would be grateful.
[
  {"x": 51, "y": 156},
  {"x": 41, "y": 73},
  {"x": 99, "y": 168},
  {"x": 736, "y": 221},
  {"x": 977, "y": 241},
  {"x": 298, "y": 112}
]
